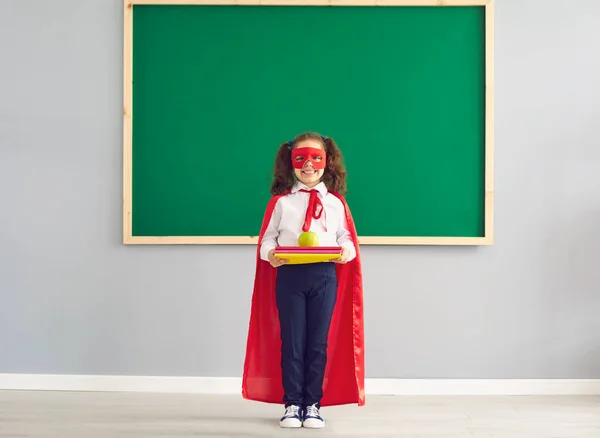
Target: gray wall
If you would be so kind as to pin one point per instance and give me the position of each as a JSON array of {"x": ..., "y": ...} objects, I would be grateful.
[{"x": 75, "y": 300}]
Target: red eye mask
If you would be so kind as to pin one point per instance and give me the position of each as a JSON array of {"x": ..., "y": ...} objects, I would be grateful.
[{"x": 316, "y": 156}]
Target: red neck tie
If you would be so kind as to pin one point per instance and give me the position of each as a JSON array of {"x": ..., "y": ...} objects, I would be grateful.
[{"x": 314, "y": 210}]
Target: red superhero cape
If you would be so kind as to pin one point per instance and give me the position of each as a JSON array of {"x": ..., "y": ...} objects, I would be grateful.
[{"x": 344, "y": 372}]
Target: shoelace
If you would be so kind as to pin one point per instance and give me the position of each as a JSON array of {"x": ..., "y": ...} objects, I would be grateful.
[
  {"x": 312, "y": 411},
  {"x": 291, "y": 411}
]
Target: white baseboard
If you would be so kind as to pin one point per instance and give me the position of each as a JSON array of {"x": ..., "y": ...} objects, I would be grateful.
[
  {"x": 232, "y": 385},
  {"x": 481, "y": 386}
]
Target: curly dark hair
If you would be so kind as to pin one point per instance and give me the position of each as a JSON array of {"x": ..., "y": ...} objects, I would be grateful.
[{"x": 335, "y": 173}]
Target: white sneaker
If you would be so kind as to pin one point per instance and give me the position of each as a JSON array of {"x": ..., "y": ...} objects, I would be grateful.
[
  {"x": 312, "y": 418},
  {"x": 291, "y": 418}
]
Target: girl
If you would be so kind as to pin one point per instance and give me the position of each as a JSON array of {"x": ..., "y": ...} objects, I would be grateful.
[{"x": 305, "y": 341}]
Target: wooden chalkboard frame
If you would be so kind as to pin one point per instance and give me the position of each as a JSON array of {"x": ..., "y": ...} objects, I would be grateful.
[{"x": 488, "y": 237}]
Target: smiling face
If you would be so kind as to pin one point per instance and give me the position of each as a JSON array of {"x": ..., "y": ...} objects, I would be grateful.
[{"x": 309, "y": 160}]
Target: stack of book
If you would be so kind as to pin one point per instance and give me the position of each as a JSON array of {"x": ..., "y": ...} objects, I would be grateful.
[{"x": 307, "y": 254}]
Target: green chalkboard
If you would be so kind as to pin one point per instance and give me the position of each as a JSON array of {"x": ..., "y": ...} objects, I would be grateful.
[{"x": 217, "y": 89}]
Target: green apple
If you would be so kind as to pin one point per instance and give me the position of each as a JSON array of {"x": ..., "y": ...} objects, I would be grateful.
[{"x": 309, "y": 238}]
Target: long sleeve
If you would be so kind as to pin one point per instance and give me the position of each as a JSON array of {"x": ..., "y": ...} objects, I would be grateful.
[
  {"x": 269, "y": 240},
  {"x": 344, "y": 238}
]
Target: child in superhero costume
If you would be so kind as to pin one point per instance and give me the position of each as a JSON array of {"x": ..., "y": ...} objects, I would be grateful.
[{"x": 305, "y": 345}]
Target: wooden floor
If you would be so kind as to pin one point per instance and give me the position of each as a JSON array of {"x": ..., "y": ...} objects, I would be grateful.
[{"x": 131, "y": 415}]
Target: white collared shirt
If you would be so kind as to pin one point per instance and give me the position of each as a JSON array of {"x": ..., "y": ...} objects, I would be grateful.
[{"x": 288, "y": 217}]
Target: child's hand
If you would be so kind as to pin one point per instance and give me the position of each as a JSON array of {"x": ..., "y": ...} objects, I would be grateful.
[
  {"x": 276, "y": 261},
  {"x": 343, "y": 258}
]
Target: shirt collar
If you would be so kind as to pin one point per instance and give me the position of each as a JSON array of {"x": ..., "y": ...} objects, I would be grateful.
[{"x": 321, "y": 188}]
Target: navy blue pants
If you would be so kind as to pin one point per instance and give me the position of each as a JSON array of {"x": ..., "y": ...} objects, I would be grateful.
[{"x": 306, "y": 296}]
